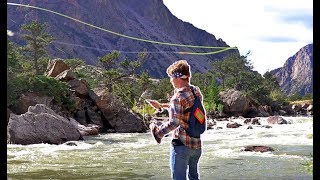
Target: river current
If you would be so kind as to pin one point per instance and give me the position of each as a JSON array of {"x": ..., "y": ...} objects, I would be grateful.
[{"x": 137, "y": 156}]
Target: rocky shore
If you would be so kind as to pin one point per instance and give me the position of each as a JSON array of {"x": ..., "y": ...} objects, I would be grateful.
[{"x": 37, "y": 119}]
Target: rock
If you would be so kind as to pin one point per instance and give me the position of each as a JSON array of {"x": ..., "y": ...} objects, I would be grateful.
[
  {"x": 310, "y": 107},
  {"x": 95, "y": 117},
  {"x": 8, "y": 114},
  {"x": 247, "y": 121},
  {"x": 80, "y": 87},
  {"x": 8, "y": 136},
  {"x": 117, "y": 117},
  {"x": 263, "y": 110},
  {"x": 30, "y": 99},
  {"x": 55, "y": 67},
  {"x": 233, "y": 125},
  {"x": 250, "y": 127},
  {"x": 297, "y": 107},
  {"x": 257, "y": 148},
  {"x": 80, "y": 116},
  {"x": 71, "y": 143},
  {"x": 93, "y": 96},
  {"x": 282, "y": 112},
  {"x": 276, "y": 120},
  {"x": 211, "y": 123},
  {"x": 255, "y": 121},
  {"x": 266, "y": 126},
  {"x": 126, "y": 121},
  {"x": 289, "y": 111},
  {"x": 41, "y": 125},
  {"x": 66, "y": 75},
  {"x": 90, "y": 129},
  {"x": 235, "y": 102},
  {"x": 304, "y": 105},
  {"x": 253, "y": 112},
  {"x": 78, "y": 101},
  {"x": 252, "y": 121}
]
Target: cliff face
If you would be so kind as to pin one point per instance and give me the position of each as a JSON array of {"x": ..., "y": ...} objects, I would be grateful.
[
  {"x": 146, "y": 19},
  {"x": 296, "y": 75}
]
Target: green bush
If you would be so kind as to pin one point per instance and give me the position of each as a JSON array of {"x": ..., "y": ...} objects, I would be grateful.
[
  {"x": 145, "y": 109},
  {"x": 39, "y": 84},
  {"x": 74, "y": 63}
]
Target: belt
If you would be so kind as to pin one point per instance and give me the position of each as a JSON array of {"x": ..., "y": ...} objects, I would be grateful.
[{"x": 176, "y": 142}]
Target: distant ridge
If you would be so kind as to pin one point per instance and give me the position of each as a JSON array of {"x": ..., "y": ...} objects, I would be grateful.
[{"x": 147, "y": 19}]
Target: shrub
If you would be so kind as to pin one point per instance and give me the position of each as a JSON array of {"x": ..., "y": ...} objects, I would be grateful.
[{"x": 40, "y": 84}]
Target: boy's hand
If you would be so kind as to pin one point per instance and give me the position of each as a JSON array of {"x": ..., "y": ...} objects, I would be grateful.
[
  {"x": 153, "y": 128},
  {"x": 154, "y": 103}
]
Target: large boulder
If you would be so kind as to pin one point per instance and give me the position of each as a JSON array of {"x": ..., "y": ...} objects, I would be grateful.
[
  {"x": 116, "y": 116},
  {"x": 41, "y": 125},
  {"x": 55, "y": 67},
  {"x": 126, "y": 121},
  {"x": 235, "y": 102}
]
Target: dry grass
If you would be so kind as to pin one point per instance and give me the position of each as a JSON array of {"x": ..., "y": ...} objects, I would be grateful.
[{"x": 309, "y": 101}]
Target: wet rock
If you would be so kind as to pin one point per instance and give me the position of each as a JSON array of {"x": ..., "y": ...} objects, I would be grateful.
[
  {"x": 71, "y": 143},
  {"x": 253, "y": 121},
  {"x": 310, "y": 107},
  {"x": 276, "y": 120},
  {"x": 257, "y": 148},
  {"x": 90, "y": 129},
  {"x": 266, "y": 126},
  {"x": 233, "y": 125},
  {"x": 211, "y": 123}
]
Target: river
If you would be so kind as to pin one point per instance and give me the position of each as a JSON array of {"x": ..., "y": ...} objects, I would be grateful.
[{"x": 137, "y": 156}]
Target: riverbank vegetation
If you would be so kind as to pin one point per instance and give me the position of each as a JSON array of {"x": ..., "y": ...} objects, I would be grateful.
[{"x": 125, "y": 78}]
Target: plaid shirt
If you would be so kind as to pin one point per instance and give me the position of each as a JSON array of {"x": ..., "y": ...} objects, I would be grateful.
[{"x": 178, "y": 121}]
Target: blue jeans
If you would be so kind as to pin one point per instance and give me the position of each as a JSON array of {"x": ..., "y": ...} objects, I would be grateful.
[{"x": 180, "y": 158}]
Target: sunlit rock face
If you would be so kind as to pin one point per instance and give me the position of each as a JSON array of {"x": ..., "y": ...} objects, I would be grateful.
[{"x": 296, "y": 75}]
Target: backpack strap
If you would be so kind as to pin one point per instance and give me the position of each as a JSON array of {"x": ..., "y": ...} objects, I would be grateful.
[{"x": 194, "y": 94}]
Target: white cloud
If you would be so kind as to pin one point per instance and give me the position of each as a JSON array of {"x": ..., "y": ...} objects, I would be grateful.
[{"x": 262, "y": 26}]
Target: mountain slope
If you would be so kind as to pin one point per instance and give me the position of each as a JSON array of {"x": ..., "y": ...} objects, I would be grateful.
[
  {"x": 147, "y": 19},
  {"x": 296, "y": 75}
]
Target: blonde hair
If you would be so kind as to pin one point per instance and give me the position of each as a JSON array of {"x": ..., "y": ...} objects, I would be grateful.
[{"x": 180, "y": 66}]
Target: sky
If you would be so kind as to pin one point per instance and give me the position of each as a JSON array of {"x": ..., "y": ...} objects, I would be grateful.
[{"x": 272, "y": 30}]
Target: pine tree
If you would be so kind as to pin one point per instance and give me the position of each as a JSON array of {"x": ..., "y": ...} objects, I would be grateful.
[{"x": 37, "y": 40}]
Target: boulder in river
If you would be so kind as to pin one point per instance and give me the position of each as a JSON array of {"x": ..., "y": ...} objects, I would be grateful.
[
  {"x": 257, "y": 148},
  {"x": 276, "y": 120},
  {"x": 40, "y": 124}
]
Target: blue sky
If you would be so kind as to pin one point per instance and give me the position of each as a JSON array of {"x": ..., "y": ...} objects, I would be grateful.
[{"x": 273, "y": 30}]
